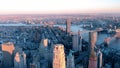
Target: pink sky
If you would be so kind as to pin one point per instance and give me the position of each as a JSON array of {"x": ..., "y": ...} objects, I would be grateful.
[{"x": 58, "y": 6}]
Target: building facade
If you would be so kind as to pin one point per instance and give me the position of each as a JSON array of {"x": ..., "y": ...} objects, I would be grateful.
[{"x": 59, "y": 56}]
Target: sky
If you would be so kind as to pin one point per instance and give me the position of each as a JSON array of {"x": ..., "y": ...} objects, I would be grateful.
[{"x": 58, "y": 6}]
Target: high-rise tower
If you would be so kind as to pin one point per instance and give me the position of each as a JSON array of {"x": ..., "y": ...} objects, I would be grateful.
[
  {"x": 92, "y": 60},
  {"x": 92, "y": 39},
  {"x": 68, "y": 25},
  {"x": 43, "y": 49},
  {"x": 79, "y": 41},
  {"x": 93, "y": 56},
  {"x": 70, "y": 60},
  {"x": 59, "y": 56},
  {"x": 75, "y": 42},
  {"x": 99, "y": 59},
  {"x": 20, "y": 60},
  {"x": 7, "y": 49}
]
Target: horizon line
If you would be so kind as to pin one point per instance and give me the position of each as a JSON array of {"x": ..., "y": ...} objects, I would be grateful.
[{"x": 60, "y": 13}]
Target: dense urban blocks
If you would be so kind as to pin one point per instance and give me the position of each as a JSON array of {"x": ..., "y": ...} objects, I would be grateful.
[{"x": 75, "y": 41}]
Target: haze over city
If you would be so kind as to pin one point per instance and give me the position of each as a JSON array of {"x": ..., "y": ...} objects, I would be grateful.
[
  {"x": 59, "y": 33},
  {"x": 58, "y": 6}
]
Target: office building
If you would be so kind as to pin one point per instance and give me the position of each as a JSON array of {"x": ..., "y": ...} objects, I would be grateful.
[
  {"x": 70, "y": 60},
  {"x": 59, "y": 56},
  {"x": 99, "y": 59},
  {"x": 75, "y": 42},
  {"x": 7, "y": 49},
  {"x": 92, "y": 60},
  {"x": 79, "y": 41},
  {"x": 68, "y": 26},
  {"x": 92, "y": 39},
  {"x": 20, "y": 60}
]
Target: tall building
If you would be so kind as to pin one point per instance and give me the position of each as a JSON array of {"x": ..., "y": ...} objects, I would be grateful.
[
  {"x": 59, "y": 56},
  {"x": 75, "y": 42},
  {"x": 44, "y": 54},
  {"x": 68, "y": 26},
  {"x": 7, "y": 49},
  {"x": 99, "y": 59},
  {"x": 43, "y": 49},
  {"x": 79, "y": 41},
  {"x": 92, "y": 39},
  {"x": 70, "y": 60},
  {"x": 92, "y": 60},
  {"x": 20, "y": 60},
  {"x": 93, "y": 56}
]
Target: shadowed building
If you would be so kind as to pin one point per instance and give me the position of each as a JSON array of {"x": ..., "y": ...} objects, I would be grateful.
[
  {"x": 75, "y": 42},
  {"x": 70, "y": 60},
  {"x": 59, "y": 56},
  {"x": 35, "y": 63},
  {"x": 20, "y": 60},
  {"x": 43, "y": 49},
  {"x": 99, "y": 59},
  {"x": 79, "y": 41},
  {"x": 8, "y": 49}
]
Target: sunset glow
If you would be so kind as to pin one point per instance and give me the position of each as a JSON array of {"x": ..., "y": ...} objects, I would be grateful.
[{"x": 58, "y": 6}]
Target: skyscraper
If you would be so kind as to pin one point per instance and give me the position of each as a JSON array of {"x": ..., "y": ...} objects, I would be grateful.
[
  {"x": 8, "y": 49},
  {"x": 93, "y": 56},
  {"x": 70, "y": 60},
  {"x": 75, "y": 46},
  {"x": 92, "y": 39},
  {"x": 79, "y": 41},
  {"x": 20, "y": 60},
  {"x": 43, "y": 49},
  {"x": 59, "y": 56},
  {"x": 92, "y": 60},
  {"x": 99, "y": 59},
  {"x": 68, "y": 26},
  {"x": 34, "y": 65}
]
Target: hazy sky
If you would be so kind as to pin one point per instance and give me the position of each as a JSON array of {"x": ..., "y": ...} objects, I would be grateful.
[{"x": 58, "y": 6}]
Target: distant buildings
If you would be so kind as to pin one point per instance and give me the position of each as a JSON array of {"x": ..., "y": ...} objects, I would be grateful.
[
  {"x": 68, "y": 26},
  {"x": 79, "y": 41},
  {"x": 7, "y": 49},
  {"x": 59, "y": 56}
]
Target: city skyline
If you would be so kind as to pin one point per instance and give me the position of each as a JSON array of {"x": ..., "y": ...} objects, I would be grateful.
[{"x": 58, "y": 6}]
